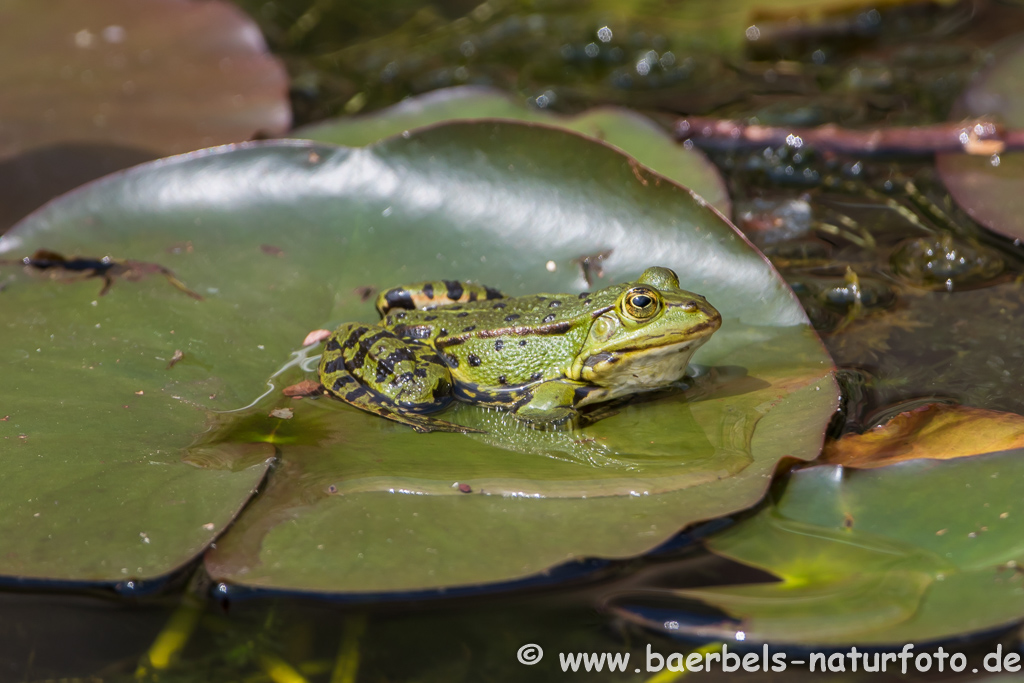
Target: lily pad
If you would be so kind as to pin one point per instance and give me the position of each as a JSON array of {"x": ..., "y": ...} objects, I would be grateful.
[
  {"x": 166, "y": 76},
  {"x": 624, "y": 129},
  {"x": 285, "y": 237},
  {"x": 917, "y": 551},
  {"x": 988, "y": 186}
]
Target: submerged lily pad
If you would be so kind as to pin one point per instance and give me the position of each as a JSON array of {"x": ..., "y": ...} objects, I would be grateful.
[
  {"x": 626, "y": 130},
  {"x": 916, "y": 551},
  {"x": 283, "y": 238},
  {"x": 989, "y": 187}
]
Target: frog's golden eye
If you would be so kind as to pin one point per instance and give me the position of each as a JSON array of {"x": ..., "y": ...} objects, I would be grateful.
[{"x": 641, "y": 303}]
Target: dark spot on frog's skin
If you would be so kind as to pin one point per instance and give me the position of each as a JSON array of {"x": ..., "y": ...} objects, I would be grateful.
[
  {"x": 404, "y": 378},
  {"x": 454, "y": 288},
  {"x": 510, "y": 318},
  {"x": 341, "y": 382},
  {"x": 430, "y": 317},
  {"x": 417, "y": 331},
  {"x": 472, "y": 296},
  {"x": 356, "y": 394},
  {"x": 442, "y": 332},
  {"x": 462, "y": 315},
  {"x": 499, "y": 344},
  {"x": 474, "y": 360},
  {"x": 586, "y": 302},
  {"x": 501, "y": 305},
  {"x": 493, "y": 293},
  {"x": 333, "y": 345},
  {"x": 428, "y": 290},
  {"x": 555, "y": 304},
  {"x": 398, "y": 298},
  {"x": 502, "y": 380},
  {"x": 603, "y": 357},
  {"x": 353, "y": 337},
  {"x": 469, "y": 329},
  {"x": 549, "y": 318},
  {"x": 335, "y": 365},
  {"x": 420, "y": 372},
  {"x": 522, "y": 342},
  {"x": 535, "y": 376},
  {"x": 583, "y": 295}
]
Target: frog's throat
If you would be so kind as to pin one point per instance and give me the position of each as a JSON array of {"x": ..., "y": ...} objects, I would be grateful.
[{"x": 630, "y": 369}]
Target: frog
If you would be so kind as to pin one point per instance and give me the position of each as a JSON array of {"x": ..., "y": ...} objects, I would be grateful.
[{"x": 540, "y": 357}]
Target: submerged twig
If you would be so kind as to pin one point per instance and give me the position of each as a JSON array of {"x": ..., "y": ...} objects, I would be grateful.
[{"x": 979, "y": 137}]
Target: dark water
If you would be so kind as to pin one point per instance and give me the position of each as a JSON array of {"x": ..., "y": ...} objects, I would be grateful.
[{"x": 895, "y": 65}]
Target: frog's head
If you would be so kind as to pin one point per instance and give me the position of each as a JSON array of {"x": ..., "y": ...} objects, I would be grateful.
[{"x": 646, "y": 339}]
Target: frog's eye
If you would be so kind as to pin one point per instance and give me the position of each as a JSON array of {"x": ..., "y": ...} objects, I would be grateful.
[{"x": 641, "y": 303}]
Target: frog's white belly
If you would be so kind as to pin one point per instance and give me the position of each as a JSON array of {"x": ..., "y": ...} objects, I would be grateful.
[{"x": 620, "y": 375}]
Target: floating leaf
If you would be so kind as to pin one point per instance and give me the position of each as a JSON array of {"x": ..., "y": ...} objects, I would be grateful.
[
  {"x": 937, "y": 431},
  {"x": 916, "y": 551},
  {"x": 626, "y": 130},
  {"x": 359, "y": 503},
  {"x": 91, "y": 88},
  {"x": 162, "y": 75},
  {"x": 988, "y": 186}
]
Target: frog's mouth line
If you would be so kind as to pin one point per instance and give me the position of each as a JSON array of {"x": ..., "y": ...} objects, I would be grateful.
[
  {"x": 634, "y": 351},
  {"x": 693, "y": 335}
]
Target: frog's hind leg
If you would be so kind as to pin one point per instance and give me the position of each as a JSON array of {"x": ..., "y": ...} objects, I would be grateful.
[
  {"x": 374, "y": 370},
  {"x": 424, "y": 296}
]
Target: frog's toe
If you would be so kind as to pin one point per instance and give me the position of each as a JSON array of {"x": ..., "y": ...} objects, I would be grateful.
[{"x": 555, "y": 419}]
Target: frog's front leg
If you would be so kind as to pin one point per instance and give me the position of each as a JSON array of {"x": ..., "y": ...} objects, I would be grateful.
[
  {"x": 551, "y": 405},
  {"x": 426, "y": 295},
  {"x": 375, "y": 370}
]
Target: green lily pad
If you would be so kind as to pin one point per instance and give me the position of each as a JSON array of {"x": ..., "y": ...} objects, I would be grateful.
[
  {"x": 988, "y": 187},
  {"x": 162, "y": 75},
  {"x": 912, "y": 552},
  {"x": 282, "y": 238},
  {"x": 624, "y": 129}
]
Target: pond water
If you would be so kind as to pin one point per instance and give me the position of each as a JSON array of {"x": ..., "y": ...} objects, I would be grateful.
[{"x": 914, "y": 300}]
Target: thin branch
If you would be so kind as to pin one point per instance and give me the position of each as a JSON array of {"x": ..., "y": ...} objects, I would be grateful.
[{"x": 980, "y": 137}]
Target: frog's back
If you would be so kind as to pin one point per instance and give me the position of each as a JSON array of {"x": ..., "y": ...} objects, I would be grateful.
[{"x": 493, "y": 346}]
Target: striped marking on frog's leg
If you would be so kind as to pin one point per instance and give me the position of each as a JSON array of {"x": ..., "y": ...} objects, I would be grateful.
[
  {"x": 424, "y": 296},
  {"x": 374, "y": 370}
]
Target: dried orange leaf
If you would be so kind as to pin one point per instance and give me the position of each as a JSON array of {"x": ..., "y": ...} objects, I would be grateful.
[{"x": 937, "y": 431}]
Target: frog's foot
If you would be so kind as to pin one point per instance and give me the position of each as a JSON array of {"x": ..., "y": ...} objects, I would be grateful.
[
  {"x": 550, "y": 406},
  {"x": 374, "y": 370},
  {"x": 421, "y": 423},
  {"x": 426, "y": 295}
]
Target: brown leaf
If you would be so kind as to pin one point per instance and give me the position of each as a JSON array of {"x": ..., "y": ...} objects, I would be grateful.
[
  {"x": 937, "y": 431},
  {"x": 163, "y": 75},
  {"x": 306, "y": 387}
]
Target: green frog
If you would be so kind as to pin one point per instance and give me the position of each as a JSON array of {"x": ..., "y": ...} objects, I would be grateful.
[{"x": 540, "y": 357}]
